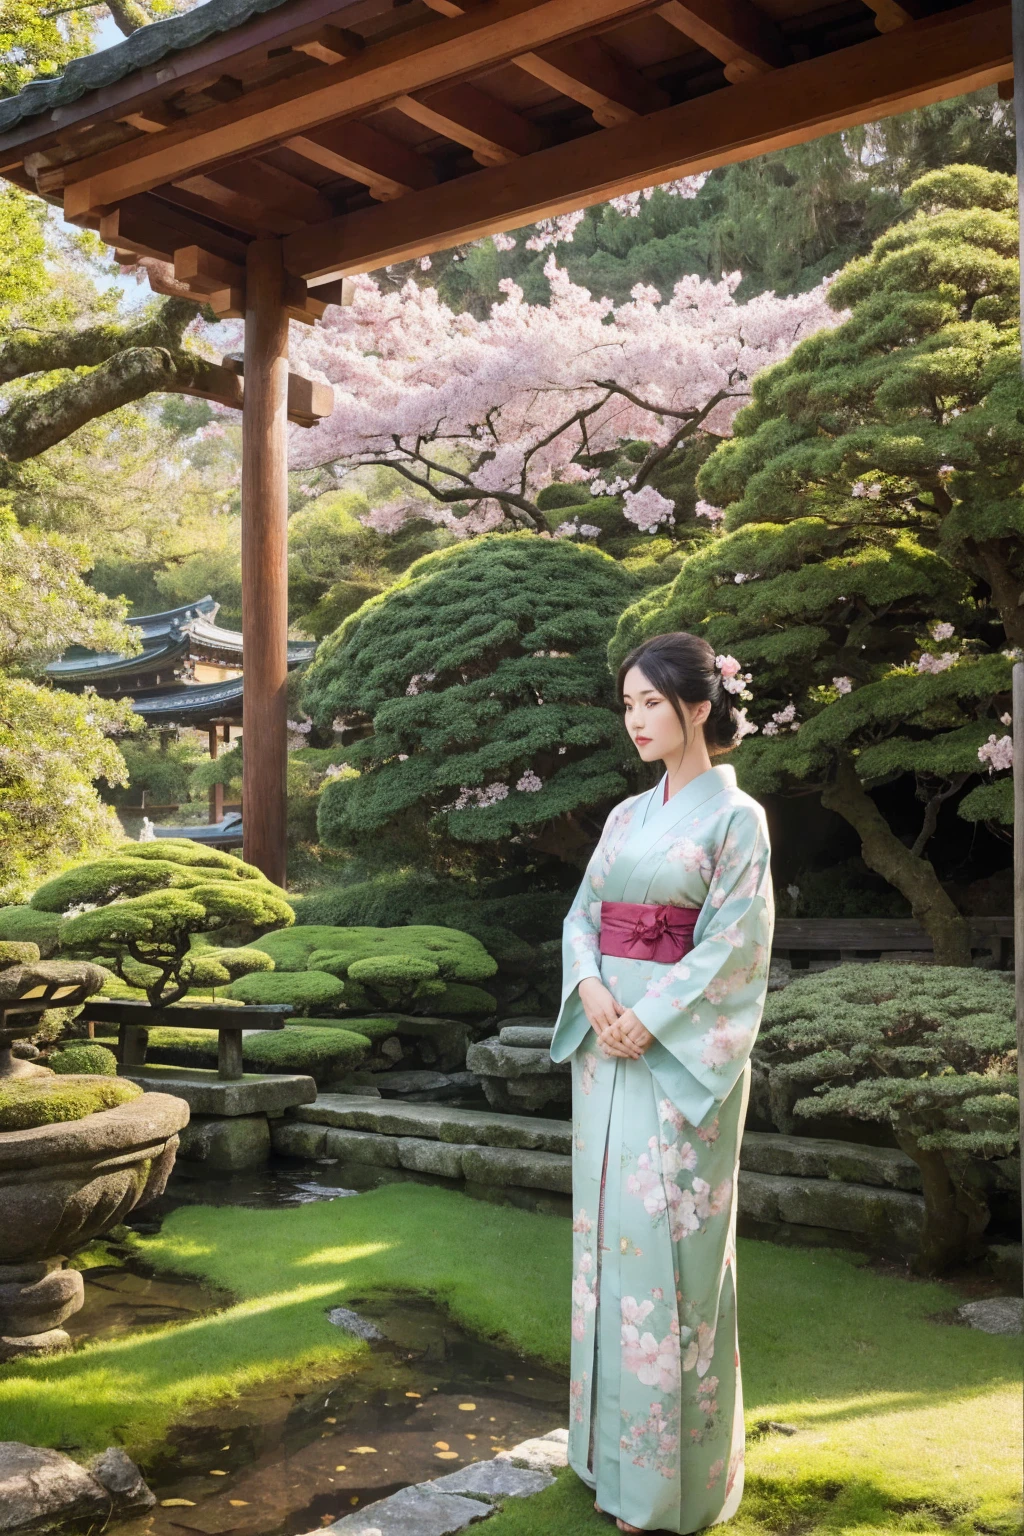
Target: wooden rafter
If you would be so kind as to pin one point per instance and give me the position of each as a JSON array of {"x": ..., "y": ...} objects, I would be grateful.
[
  {"x": 931, "y": 60},
  {"x": 360, "y": 151},
  {"x": 432, "y": 55},
  {"x": 491, "y": 130}
]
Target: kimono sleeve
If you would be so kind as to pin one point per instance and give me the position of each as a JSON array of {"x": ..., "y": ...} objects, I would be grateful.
[{"x": 704, "y": 1011}]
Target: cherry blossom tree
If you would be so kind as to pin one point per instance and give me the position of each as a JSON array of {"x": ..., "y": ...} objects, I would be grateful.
[{"x": 483, "y": 415}]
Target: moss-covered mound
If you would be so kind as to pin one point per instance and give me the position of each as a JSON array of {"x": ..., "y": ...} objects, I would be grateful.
[
  {"x": 320, "y": 1053},
  {"x": 415, "y": 965},
  {"x": 26, "y": 1102},
  {"x": 24, "y": 925},
  {"x": 307, "y": 991},
  {"x": 91, "y": 1058}
]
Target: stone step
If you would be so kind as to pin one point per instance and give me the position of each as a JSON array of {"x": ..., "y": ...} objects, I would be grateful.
[
  {"x": 890, "y": 1218},
  {"x": 810, "y": 1157},
  {"x": 437, "y": 1122},
  {"x": 494, "y": 1058},
  {"x": 506, "y": 1167},
  {"x": 534, "y": 1036},
  {"x": 268, "y": 1093}
]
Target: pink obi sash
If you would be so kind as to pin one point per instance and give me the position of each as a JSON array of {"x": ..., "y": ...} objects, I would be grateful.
[{"x": 633, "y": 930}]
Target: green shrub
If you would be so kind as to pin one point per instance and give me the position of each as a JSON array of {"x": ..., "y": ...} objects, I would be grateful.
[
  {"x": 14, "y": 953},
  {"x": 290, "y": 948},
  {"x": 307, "y": 991},
  {"x": 26, "y": 1102},
  {"x": 207, "y": 967},
  {"x": 24, "y": 925},
  {"x": 562, "y": 494},
  {"x": 91, "y": 1058},
  {"x": 928, "y": 1050},
  {"x": 153, "y": 907}
]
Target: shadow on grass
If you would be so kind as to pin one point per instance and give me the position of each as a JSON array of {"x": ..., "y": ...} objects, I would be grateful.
[{"x": 824, "y": 1340}]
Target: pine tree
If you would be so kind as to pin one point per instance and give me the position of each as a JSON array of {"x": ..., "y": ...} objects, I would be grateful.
[
  {"x": 480, "y": 682},
  {"x": 873, "y": 568}
]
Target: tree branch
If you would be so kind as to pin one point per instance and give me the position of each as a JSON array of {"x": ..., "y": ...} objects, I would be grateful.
[
  {"x": 26, "y": 351},
  {"x": 35, "y": 423}
]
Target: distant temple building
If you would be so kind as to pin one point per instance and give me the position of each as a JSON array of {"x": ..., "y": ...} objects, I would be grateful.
[{"x": 188, "y": 673}]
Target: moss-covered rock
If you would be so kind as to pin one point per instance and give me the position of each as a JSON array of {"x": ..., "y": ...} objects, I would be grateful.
[
  {"x": 26, "y": 1102},
  {"x": 464, "y": 1001},
  {"x": 91, "y": 1058},
  {"x": 14, "y": 953}
]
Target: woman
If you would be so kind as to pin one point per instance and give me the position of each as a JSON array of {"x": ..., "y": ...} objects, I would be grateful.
[{"x": 666, "y": 954}]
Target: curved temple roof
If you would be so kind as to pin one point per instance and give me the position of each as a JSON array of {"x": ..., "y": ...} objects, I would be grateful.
[{"x": 167, "y": 638}]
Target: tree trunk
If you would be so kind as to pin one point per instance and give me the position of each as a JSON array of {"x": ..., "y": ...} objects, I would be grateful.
[
  {"x": 995, "y": 559},
  {"x": 952, "y": 1225},
  {"x": 913, "y": 877}
]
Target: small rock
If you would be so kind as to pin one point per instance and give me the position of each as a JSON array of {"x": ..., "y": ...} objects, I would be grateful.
[
  {"x": 543, "y": 1454},
  {"x": 351, "y": 1322},
  {"x": 41, "y": 1489},
  {"x": 996, "y": 1314},
  {"x": 494, "y": 1480},
  {"x": 119, "y": 1475},
  {"x": 414, "y": 1511},
  {"x": 227, "y": 1144}
]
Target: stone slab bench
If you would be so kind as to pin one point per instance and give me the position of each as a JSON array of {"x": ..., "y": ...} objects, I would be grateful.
[{"x": 253, "y": 1093}]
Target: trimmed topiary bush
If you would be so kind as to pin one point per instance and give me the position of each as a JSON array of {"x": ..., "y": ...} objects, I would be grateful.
[
  {"x": 26, "y": 1102},
  {"x": 290, "y": 948},
  {"x": 928, "y": 1050},
  {"x": 90, "y": 1058},
  {"x": 465, "y": 1002},
  {"x": 155, "y": 906},
  {"x": 210, "y": 968},
  {"x": 307, "y": 991}
]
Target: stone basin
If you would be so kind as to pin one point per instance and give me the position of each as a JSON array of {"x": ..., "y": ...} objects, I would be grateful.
[{"x": 61, "y": 1185}]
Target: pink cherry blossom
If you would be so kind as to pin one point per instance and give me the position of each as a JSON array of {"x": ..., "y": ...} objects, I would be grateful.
[
  {"x": 934, "y": 664},
  {"x": 648, "y": 509},
  {"x": 485, "y": 412},
  {"x": 997, "y": 752}
]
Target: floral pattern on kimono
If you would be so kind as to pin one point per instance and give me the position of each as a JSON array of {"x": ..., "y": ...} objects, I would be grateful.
[{"x": 656, "y": 1420}]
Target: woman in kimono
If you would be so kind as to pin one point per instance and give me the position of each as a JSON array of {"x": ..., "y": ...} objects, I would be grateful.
[{"x": 665, "y": 964}]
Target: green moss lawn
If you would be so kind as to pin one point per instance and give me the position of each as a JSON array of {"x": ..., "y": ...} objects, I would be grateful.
[{"x": 903, "y": 1423}]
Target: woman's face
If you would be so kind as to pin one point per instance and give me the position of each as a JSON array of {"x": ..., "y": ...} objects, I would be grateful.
[{"x": 652, "y": 722}]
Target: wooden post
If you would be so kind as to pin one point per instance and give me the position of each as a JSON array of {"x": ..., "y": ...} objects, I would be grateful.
[
  {"x": 265, "y": 561},
  {"x": 216, "y": 790}
]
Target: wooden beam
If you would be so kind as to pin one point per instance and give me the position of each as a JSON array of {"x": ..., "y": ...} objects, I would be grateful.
[
  {"x": 204, "y": 271},
  {"x": 265, "y": 563},
  {"x": 258, "y": 196},
  {"x": 735, "y": 31},
  {"x": 355, "y": 149},
  {"x": 491, "y": 130},
  {"x": 151, "y": 228},
  {"x": 589, "y": 73},
  {"x": 931, "y": 60},
  {"x": 153, "y": 118},
  {"x": 429, "y": 55},
  {"x": 308, "y": 401}
]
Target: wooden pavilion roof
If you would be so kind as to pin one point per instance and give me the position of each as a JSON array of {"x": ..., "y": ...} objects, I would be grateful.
[{"x": 371, "y": 132}]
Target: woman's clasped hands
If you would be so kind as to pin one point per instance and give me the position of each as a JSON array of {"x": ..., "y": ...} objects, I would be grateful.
[{"x": 619, "y": 1032}]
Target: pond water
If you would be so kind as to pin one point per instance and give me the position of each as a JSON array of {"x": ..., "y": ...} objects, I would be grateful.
[{"x": 426, "y": 1399}]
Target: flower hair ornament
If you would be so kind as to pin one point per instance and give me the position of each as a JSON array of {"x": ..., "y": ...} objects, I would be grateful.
[{"x": 733, "y": 680}]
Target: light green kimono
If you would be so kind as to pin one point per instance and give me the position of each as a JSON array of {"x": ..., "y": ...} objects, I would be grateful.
[{"x": 656, "y": 1413}]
